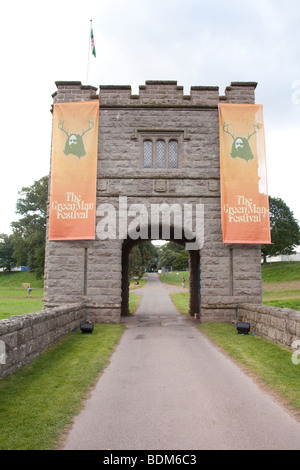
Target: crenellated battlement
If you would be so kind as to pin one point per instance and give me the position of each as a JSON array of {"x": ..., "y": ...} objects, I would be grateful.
[
  {"x": 73, "y": 91},
  {"x": 168, "y": 93},
  {"x": 156, "y": 94}
]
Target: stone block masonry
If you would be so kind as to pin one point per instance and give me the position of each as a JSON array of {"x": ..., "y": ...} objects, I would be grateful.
[
  {"x": 25, "y": 337},
  {"x": 279, "y": 325}
]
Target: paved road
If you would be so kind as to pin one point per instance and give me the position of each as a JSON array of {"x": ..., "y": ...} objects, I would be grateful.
[{"x": 168, "y": 388}]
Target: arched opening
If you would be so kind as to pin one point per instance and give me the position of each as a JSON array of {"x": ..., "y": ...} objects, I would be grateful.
[{"x": 194, "y": 263}]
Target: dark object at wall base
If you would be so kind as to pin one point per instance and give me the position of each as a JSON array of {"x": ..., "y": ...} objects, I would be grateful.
[
  {"x": 86, "y": 327},
  {"x": 243, "y": 328}
]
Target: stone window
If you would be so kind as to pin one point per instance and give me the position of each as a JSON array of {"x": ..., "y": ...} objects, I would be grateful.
[
  {"x": 173, "y": 154},
  {"x": 147, "y": 153},
  {"x": 160, "y": 152}
]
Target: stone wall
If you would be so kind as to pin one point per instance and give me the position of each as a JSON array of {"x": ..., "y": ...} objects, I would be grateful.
[
  {"x": 28, "y": 336},
  {"x": 279, "y": 325}
]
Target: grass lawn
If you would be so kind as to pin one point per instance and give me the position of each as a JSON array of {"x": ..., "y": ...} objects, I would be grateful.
[
  {"x": 13, "y": 298},
  {"x": 14, "y": 301},
  {"x": 10, "y": 307},
  {"x": 141, "y": 283},
  {"x": 7, "y": 293},
  {"x": 282, "y": 284},
  {"x": 135, "y": 299},
  {"x": 39, "y": 401},
  {"x": 17, "y": 278},
  {"x": 293, "y": 304},
  {"x": 134, "y": 302},
  {"x": 283, "y": 271},
  {"x": 175, "y": 277},
  {"x": 181, "y": 301}
]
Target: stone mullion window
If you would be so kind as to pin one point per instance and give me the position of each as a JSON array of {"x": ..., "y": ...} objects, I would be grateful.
[
  {"x": 147, "y": 153},
  {"x": 160, "y": 152},
  {"x": 172, "y": 153}
]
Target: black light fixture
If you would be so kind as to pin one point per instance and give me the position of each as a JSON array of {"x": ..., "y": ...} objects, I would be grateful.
[
  {"x": 86, "y": 326},
  {"x": 242, "y": 328}
]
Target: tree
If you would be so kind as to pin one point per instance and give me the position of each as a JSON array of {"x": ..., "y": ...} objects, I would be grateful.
[
  {"x": 7, "y": 260},
  {"x": 136, "y": 268},
  {"x": 167, "y": 259},
  {"x": 174, "y": 255},
  {"x": 29, "y": 232},
  {"x": 285, "y": 230},
  {"x": 181, "y": 260},
  {"x": 142, "y": 258}
]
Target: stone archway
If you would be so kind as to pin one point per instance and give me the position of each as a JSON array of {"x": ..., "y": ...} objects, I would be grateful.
[{"x": 194, "y": 263}]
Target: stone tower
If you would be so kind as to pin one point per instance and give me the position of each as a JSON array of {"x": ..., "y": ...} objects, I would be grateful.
[{"x": 157, "y": 147}]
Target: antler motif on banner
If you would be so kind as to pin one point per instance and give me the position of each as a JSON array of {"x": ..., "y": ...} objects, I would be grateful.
[
  {"x": 91, "y": 125},
  {"x": 74, "y": 143},
  {"x": 255, "y": 130}
]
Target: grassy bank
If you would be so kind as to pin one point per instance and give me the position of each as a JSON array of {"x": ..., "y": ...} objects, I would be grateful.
[
  {"x": 282, "y": 284},
  {"x": 175, "y": 277},
  {"x": 39, "y": 401},
  {"x": 283, "y": 271},
  {"x": 11, "y": 307},
  {"x": 14, "y": 299},
  {"x": 181, "y": 301},
  {"x": 17, "y": 278},
  {"x": 134, "y": 302}
]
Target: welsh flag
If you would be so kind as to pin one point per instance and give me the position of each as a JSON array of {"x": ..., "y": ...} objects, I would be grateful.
[{"x": 93, "y": 42}]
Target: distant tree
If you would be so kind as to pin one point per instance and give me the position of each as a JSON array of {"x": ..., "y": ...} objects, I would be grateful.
[
  {"x": 167, "y": 259},
  {"x": 29, "y": 232},
  {"x": 174, "y": 255},
  {"x": 136, "y": 268},
  {"x": 285, "y": 230},
  {"x": 149, "y": 255},
  {"x": 181, "y": 260},
  {"x": 7, "y": 260},
  {"x": 172, "y": 246},
  {"x": 142, "y": 258}
]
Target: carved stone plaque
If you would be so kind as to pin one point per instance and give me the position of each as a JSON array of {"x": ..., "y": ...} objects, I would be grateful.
[
  {"x": 160, "y": 186},
  {"x": 102, "y": 185}
]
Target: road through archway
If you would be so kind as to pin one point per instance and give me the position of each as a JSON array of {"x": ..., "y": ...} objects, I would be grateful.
[{"x": 168, "y": 388}]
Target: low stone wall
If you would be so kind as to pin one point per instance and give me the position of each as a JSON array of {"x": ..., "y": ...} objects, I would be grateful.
[
  {"x": 279, "y": 325},
  {"x": 25, "y": 337}
]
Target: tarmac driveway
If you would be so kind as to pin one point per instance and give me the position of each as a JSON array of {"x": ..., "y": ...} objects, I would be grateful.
[{"x": 168, "y": 388}]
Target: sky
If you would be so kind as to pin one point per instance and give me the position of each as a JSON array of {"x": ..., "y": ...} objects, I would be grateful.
[{"x": 194, "y": 42}]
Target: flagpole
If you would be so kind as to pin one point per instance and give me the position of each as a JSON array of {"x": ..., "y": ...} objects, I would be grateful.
[{"x": 88, "y": 64}]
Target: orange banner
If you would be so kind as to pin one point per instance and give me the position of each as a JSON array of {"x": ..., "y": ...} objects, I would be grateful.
[
  {"x": 74, "y": 171},
  {"x": 244, "y": 192}
]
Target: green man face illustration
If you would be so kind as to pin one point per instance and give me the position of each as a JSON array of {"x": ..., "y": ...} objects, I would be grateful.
[
  {"x": 74, "y": 144},
  {"x": 240, "y": 146},
  {"x": 241, "y": 149}
]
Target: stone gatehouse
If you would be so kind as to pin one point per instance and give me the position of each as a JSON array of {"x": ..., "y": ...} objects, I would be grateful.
[{"x": 157, "y": 147}]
